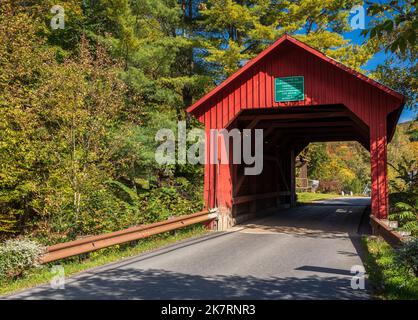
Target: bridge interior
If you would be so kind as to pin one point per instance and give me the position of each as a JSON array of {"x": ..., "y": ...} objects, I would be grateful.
[{"x": 286, "y": 131}]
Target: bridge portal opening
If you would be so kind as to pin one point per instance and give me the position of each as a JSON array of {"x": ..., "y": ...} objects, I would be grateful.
[
  {"x": 334, "y": 168},
  {"x": 286, "y": 133}
]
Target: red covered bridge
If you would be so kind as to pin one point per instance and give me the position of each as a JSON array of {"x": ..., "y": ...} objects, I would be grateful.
[{"x": 297, "y": 95}]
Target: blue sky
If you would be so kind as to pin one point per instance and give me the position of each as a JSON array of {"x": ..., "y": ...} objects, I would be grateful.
[{"x": 378, "y": 58}]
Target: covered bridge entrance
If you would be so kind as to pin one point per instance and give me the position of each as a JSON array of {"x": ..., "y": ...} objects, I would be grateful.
[{"x": 297, "y": 95}]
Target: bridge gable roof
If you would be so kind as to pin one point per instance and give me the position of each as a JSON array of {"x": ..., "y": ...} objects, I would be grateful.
[{"x": 265, "y": 55}]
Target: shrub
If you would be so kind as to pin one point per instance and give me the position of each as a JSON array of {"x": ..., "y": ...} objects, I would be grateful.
[
  {"x": 17, "y": 256},
  {"x": 330, "y": 186},
  {"x": 408, "y": 255},
  {"x": 406, "y": 214}
]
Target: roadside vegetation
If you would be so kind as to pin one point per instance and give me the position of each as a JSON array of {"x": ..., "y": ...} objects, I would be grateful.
[
  {"x": 391, "y": 272},
  {"x": 404, "y": 199},
  {"x": 307, "y": 197},
  {"x": 34, "y": 274}
]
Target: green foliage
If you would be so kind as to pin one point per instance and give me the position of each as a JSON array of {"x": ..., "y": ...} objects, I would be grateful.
[
  {"x": 394, "y": 28},
  {"x": 346, "y": 166},
  {"x": 406, "y": 211},
  {"x": 401, "y": 154},
  {"x": 73, "y": 265},
  {"x": 390, "y": 276},
  {"x": 406, "y": 171},
  {"x": 412, "y": 130},
  {"x": 317, "y": 155},
  {"x": 235, "y": 31},
  {"x": 338, "y": 166},
  {"x": 307, "y": 197},
  {"x": 77, "y": 136},
  {"x": 396, "y": 22},
  {"x": 407, "y": 216},
  {"x": 401, "y": 74},
  {"x": 407, "y": 255},
  {"x": 17, "y": 256},
  {"x": 55, "y": 129},
  {"x": 404, "y": 206}
]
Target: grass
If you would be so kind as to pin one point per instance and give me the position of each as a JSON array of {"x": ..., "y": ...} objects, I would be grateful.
[
  {"x": 306, "y": 197},
  {"x": 101, "y": 257},
  {"x": 389, "y": 280}
]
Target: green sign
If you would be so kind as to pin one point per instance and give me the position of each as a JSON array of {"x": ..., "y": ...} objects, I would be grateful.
[{"x": 289, "y": 89}]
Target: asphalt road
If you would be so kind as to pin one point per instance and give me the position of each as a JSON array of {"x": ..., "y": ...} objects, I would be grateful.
[{"x": 301, "y": 253}]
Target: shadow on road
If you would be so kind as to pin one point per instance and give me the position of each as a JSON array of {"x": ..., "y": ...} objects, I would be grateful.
[
  {"x": 304, "y": 278},
  {"x": 161, "y": 284},
  {"x": 328, "y": 219}
]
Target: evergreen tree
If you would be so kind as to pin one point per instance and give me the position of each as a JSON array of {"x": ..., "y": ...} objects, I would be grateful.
[{"x": 239, "y": 30}]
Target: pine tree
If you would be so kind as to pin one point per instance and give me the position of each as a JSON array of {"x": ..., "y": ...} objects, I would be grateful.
[{"x": 239, "y": 30}]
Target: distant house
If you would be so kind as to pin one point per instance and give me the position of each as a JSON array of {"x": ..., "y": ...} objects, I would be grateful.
[{"x": 303, "y": 184}]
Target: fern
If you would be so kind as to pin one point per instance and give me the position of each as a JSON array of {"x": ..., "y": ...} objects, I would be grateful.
[{"x": 406, "y": 214}]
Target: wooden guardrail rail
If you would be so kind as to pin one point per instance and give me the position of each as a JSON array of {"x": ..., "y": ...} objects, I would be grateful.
[{"x": 76, "y": 247}]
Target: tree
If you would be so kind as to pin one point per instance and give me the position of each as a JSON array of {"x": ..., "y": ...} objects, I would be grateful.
[
  {"x": 394, "y": 29},
  {"x": 78, "y": 125},
  {"x": 55, "y": 126},
  {"x": 238, "y": 30},
  {"x": 339, "y": 165},
  {"x": 395, "y": 24}
]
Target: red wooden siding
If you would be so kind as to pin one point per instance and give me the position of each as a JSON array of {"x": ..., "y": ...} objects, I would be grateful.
[{"x": 325, "y": 84}]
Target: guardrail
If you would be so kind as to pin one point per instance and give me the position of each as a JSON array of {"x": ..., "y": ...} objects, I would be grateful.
[
  {"x": 389, "y": 235},
  {"x": 89, "y": 244}
]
